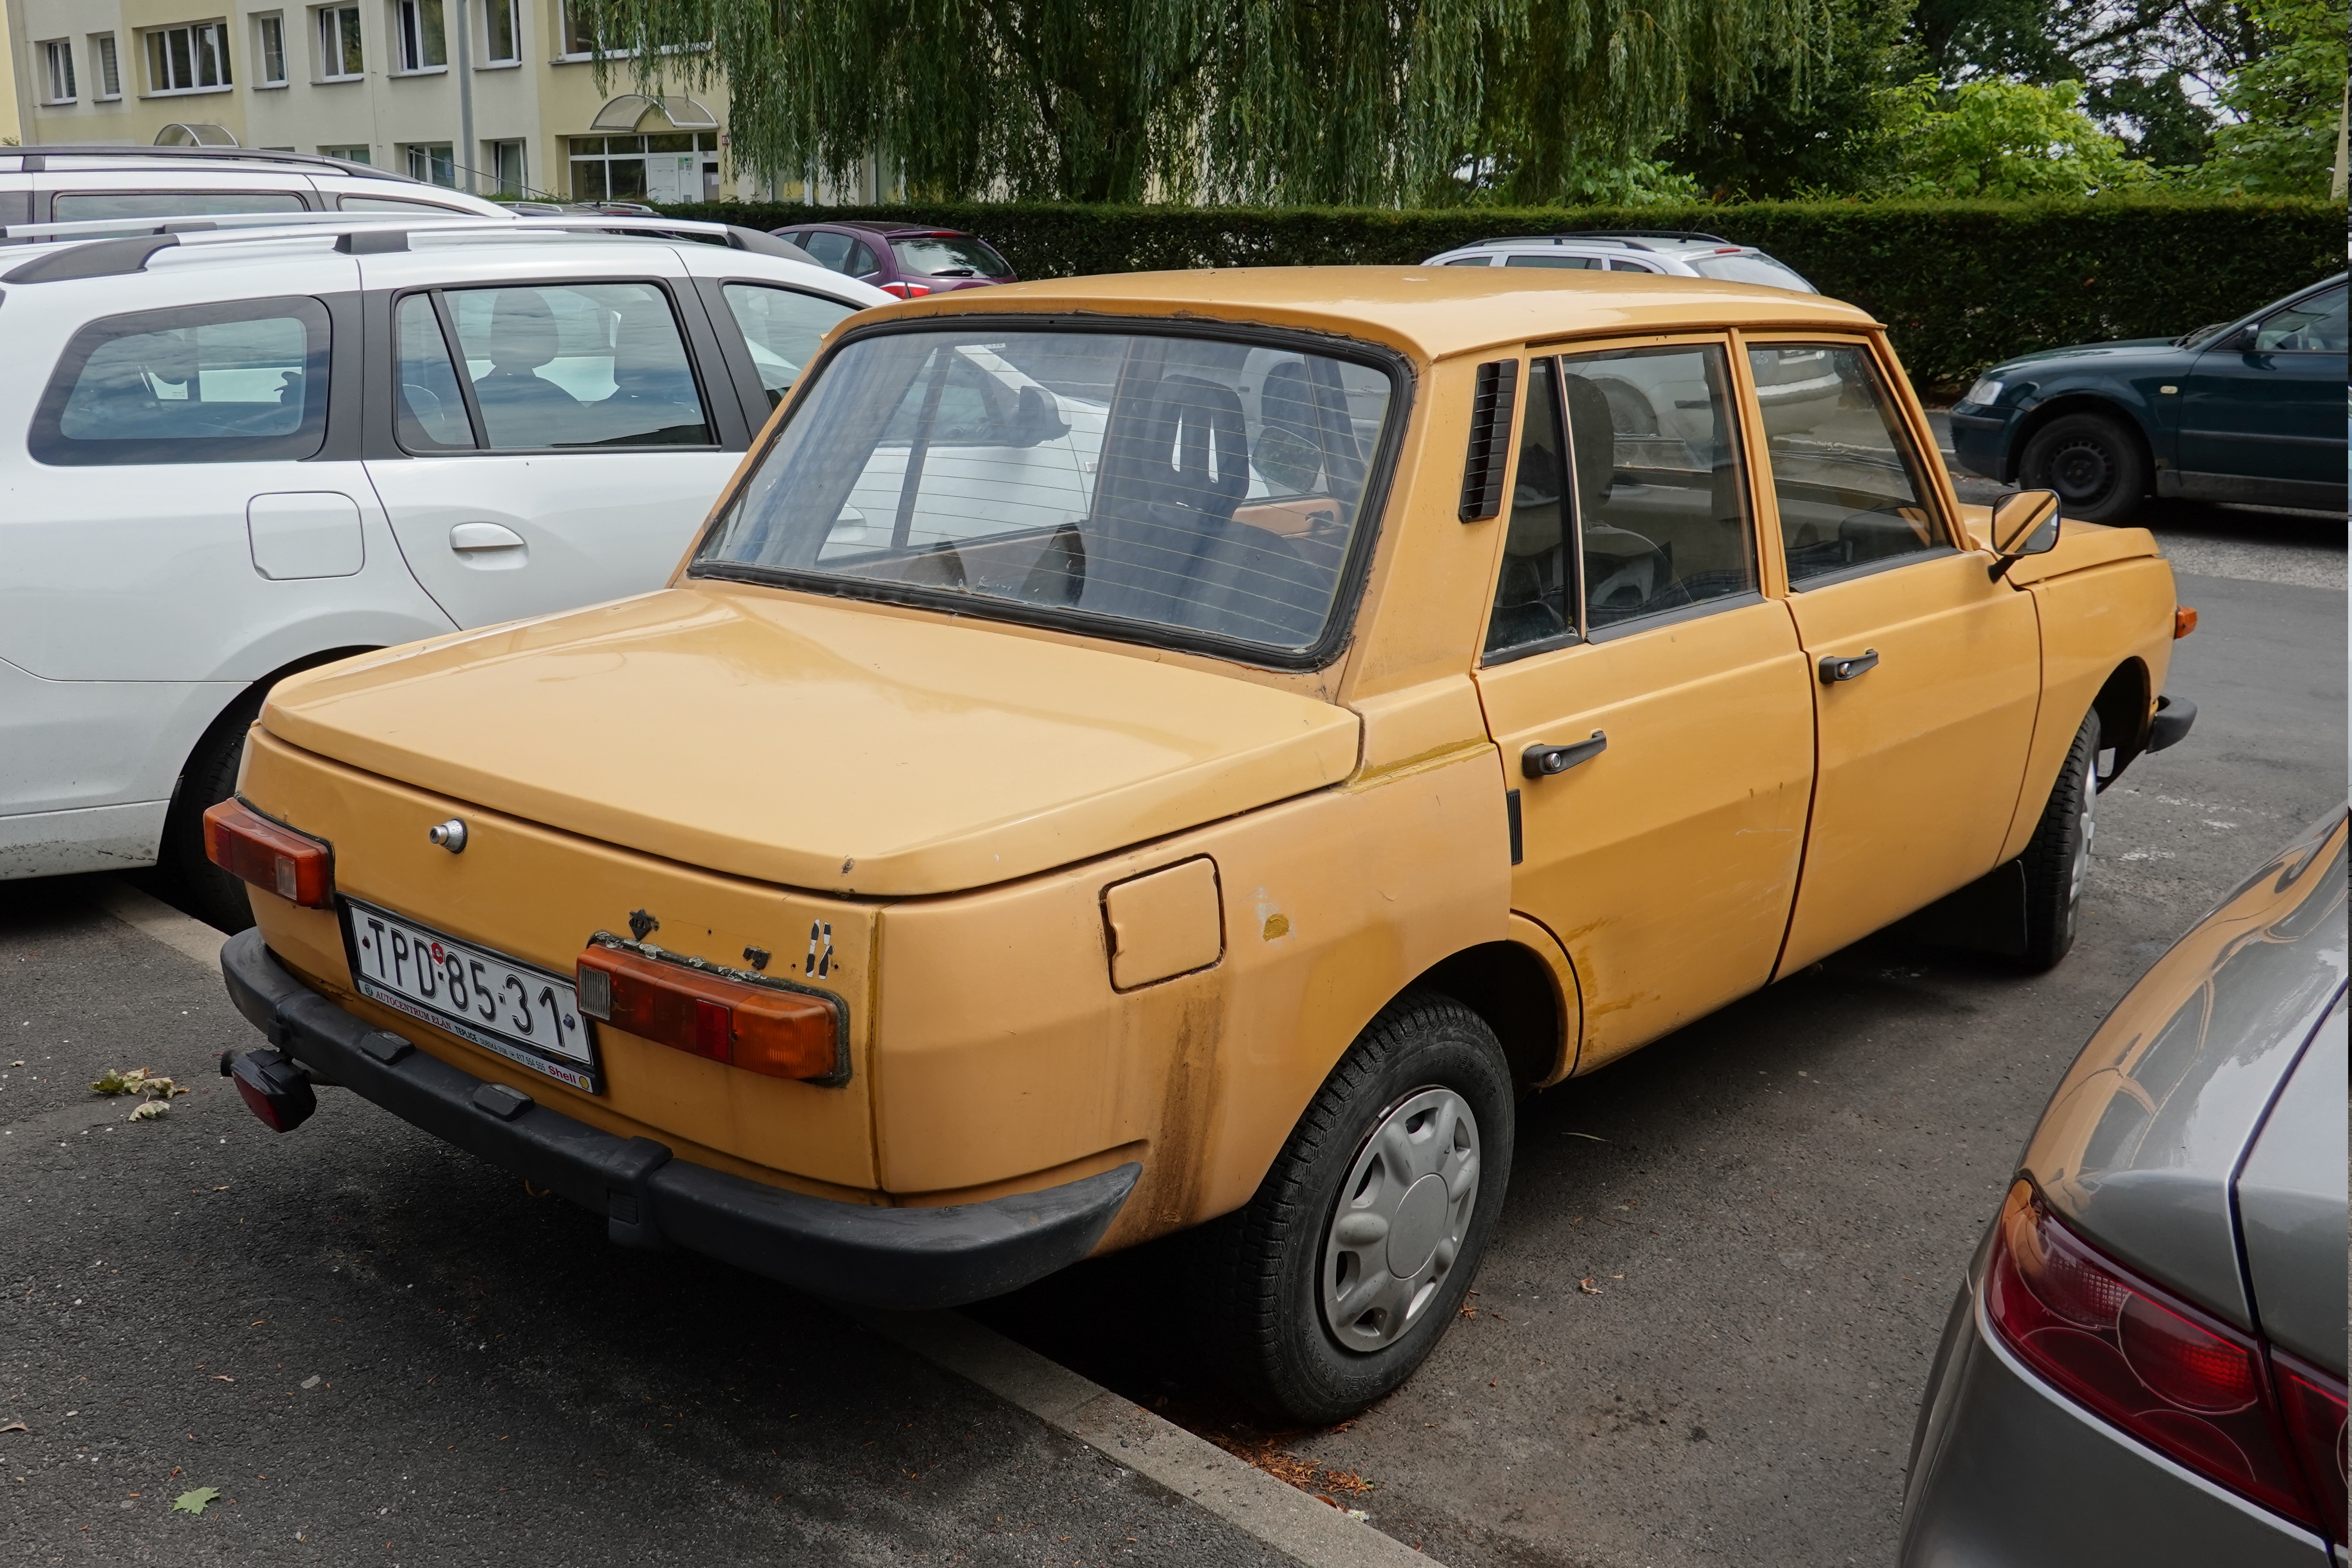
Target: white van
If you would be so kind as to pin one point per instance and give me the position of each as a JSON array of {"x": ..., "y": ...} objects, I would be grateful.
[{"x": 236, "y": 454}]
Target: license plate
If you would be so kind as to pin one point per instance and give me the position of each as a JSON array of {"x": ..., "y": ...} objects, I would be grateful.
[{"x": 527, "y": 1015}]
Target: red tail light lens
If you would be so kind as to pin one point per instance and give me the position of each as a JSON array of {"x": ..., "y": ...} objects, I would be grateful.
[
  {"x": 2313, "y": 1404},
  {"x": 275, "y": 858},
  {"x": 2186, "y": 1384},
  {"x": 906, "y": 290},
  {"x": 782, "y": 1034}
]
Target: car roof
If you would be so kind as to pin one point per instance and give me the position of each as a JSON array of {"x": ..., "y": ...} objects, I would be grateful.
[
  {"x": 1662, "y": 242},
  {"x": 53, "y": 157},
  {"x": 891, "y": 231},
  {"x": 1430, "y": 312}
]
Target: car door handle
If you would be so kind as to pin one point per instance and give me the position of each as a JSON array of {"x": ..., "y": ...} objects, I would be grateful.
[
  {"x": 1541, "y": 761},
  {"x": 471, "y": 536},
  {"x": 1852, "y": 666}
]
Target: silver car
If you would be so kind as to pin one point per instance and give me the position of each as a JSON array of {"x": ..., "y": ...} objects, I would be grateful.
[
  {"x": 1674, "y": 253},
  {"x": 2146, "y": 1363}
]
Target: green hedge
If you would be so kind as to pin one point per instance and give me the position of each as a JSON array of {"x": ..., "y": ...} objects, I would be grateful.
[{"x": 1962, "y": 284}]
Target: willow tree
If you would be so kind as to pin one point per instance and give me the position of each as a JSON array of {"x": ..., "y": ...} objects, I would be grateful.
[{"x": 1273, "y": 101}]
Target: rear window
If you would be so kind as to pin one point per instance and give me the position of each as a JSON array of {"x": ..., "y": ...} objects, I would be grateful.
[
  {"x": 239, "y": 382},
  {"x": 1753, "y": 267},
  {"x": 927, "y": 256},
  {"x": 87, "y": 207},
  {"x": 1162, "y": 487},
  {"x": 1583, "y": 263}
]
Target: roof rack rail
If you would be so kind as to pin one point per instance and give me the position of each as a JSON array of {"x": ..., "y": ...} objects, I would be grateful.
[
  {"x": 35, "y": 156},
  {"x": 121, "y": 253},
  {"x": 1632, "y": 237}
]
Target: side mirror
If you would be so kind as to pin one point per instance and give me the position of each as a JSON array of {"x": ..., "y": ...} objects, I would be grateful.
[
  {"x": 1037, "y": 420},
  {"x": 2023, "y": 524}
]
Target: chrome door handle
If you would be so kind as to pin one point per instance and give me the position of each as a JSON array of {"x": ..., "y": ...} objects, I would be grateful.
[
  {"x": 1852, "y": 666},
  {"x": 1541, "y": 761}
]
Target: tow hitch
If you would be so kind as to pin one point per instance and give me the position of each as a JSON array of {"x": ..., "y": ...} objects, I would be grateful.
[{"x": 275, "y": 1086}]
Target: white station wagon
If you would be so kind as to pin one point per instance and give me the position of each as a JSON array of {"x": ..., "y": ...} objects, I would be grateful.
[{"x": 240, "y": 453}]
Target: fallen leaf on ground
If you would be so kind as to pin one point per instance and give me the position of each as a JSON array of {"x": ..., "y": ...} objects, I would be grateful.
[
  {"x": 196, "y": 1500},
  {"x": 223, "y": 1377},
  {"x": 1588, "y": 1287},
  {"x": 16, "y": 1426},
  {"x": 149, "y": 1110}
]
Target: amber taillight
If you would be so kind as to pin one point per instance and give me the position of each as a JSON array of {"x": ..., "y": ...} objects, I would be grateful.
[
  {"x": 2187, "y": 1385},
  {"x": 761, "y": 1028},
  {"x": 275, "y": 858}
]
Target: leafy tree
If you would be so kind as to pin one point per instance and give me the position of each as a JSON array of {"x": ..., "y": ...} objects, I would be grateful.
[
  {"x": 1824, "y": 135},
  {"x": 2291, "y": 97},
  {"x": 2003, "y": 139},
  {"x": 1281, "y": 101}
]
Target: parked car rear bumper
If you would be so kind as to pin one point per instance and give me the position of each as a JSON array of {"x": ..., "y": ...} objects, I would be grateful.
[
  {"x": 882, "y": 1257},
  {"x": 2007, "y": 1473}
]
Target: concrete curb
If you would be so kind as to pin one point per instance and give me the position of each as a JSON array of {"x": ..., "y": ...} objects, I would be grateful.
[
  {"x": 1241, "y": 1495},
  {"x": 152, "y": 917}
]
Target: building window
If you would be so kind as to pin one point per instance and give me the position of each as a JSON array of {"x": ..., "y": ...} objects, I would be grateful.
[
  {"x": 339, "y": 59},
  {"x": 503, "y": 162},
  {"x": 58, "y": 58},
  {"x": 502, "y": 33},
  {"x": 188, "y": 60},
  {"x": 271, "y": 32},
  {"x": 422, "y": 44},
  {"x": 110, "y": 68},
  {"x": 348, "y": 154},
  {"x": 680, "y": 167},
  {"x": 579, "y": 38},
  {"x": 434, "y": 162}
]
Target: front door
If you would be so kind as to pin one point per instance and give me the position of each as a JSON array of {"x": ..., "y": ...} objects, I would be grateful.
[
  {"x": 1653, "y": 707},
  {"x": 571, "y": 463},
  {"x": 2267, "y": 422},
  {"x": 1925, "y": 675}
]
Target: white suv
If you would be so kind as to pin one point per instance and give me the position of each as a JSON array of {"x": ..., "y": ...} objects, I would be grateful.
[
  {"x": 55, "y": 183},
  {"x": 240, "y": 453},
  {"x": 1675, "y": 253}
]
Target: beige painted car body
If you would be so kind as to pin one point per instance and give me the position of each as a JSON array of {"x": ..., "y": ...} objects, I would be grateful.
[{"x": 1091, "y": 902}]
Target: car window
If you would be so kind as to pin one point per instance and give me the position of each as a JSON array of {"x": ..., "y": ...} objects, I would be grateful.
[
  {"x": 1534, "y": 591},
  {"x": 238, "y": 382},
  {"x": 578, "y": 364},
  {"x": 830, "y": 249},
  {"x": 87, "y": 207},
  {"x": 1660, "y": 506},
  {"x": 1849, "y": 484},
  {"x": 398, "y": 204},
  {"x": 1619, "y": 264},
  {"x": 1585, "y": 263},
  {"x": 431, "y": 407},
  {"x": 2313, "y": 325},
  {"x": 1754, "y": 268},
  {"x": 1149, "y": 483},
  {"x": 861, "y": 261},
  {"x": 1471, "y": 261},
  {"x": 935, "y": 255},
  {"x": 781, "y": 328}
]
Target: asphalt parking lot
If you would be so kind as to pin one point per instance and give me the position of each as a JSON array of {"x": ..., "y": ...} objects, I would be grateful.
[{"x": 1701, "y": 1337}]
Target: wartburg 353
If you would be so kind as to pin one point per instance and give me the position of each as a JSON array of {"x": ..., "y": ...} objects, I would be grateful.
[{"x": 1135, "y": 753}]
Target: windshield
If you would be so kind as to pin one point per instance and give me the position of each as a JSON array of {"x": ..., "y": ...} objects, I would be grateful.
[
  {"x": 1754, "y": 267},
  {"x": 934, "y": 255},
  {"x": 1175, "y": 483}
]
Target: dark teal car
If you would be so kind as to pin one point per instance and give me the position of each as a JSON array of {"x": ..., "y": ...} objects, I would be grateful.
[{"x": 2251, "y": 410}]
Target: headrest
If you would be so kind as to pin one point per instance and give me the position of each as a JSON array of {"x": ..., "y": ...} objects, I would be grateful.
[{"x": 523, "y": 334}]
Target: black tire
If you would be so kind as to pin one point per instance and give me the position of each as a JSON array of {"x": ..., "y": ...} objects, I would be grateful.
[
  {"x": 1261, "y": 1270},
  {"x": 2057, "y": 859},
  {"x": 201, "y": 888},
  {"x": 2096, "y": 463}
]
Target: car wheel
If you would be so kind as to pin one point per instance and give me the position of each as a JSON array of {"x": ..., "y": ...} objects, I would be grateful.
[
  {"x": 2057, "y": 858},
  {"x": 2094, "y": 463},
  {"x": 206, "y": 891},
  {"x": 1336, "y": 1279}
]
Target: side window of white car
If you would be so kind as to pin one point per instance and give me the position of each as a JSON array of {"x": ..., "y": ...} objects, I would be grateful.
[
  {"x": 242, "y": 380},
  {"x": 782, "y": 327},
  {"x": 548, "y": 366},
  {"x": 1581, "y": 263},
  {"x": 83, "y": 206}
]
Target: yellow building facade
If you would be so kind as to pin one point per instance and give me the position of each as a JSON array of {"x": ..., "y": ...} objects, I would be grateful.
[{"x": 497, "y": 96}]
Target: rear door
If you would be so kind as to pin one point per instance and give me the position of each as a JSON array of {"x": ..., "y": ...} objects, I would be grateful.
[
  {"x": 554, "y": 422},
  {"x": 2268, "y": 421},
  {"x": 1925, "y": 674}
]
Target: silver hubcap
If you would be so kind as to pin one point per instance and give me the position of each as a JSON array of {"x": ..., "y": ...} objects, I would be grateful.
[
  {"x": 2086, "y": 824},
  {"x": 1401, "y": 1214}
]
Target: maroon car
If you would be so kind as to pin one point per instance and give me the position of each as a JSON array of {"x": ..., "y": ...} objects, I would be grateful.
[{"x": 905, "y": 261}]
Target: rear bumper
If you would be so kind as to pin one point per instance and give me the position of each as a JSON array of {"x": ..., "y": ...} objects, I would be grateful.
[{"x": 903, "y": 1257}]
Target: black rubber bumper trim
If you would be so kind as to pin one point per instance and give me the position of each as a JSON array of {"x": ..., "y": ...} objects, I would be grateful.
[
  {"x": 902, "y": 1258},
  {"x": 2169, "y": 726}
]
